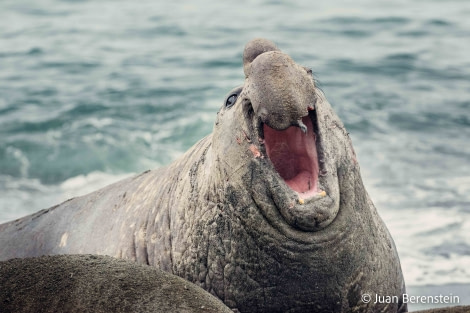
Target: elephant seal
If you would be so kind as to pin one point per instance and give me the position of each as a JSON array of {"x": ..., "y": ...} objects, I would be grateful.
[
  {"x": 91, "y": 283},
  {"x": 268, "y": 213}
]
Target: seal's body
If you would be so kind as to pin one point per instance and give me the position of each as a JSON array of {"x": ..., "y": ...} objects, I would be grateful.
[
  {"x": 268, "y": 213},
  {"x": 92, "y": 283}
]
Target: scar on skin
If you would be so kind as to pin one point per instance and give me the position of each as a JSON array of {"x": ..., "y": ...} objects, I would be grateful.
[
  {"x": 63, "y": 240},
  {"x": 246, "y": 136},
  {"x": 255, "y": 151}
]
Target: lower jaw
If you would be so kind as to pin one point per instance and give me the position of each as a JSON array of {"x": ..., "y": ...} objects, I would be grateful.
[
  {"x": 304, "y": 184},
  {"x": 308, "y": 194},
  {"x": 294, "y": 214},
  {"x": 312, "y": 209}
]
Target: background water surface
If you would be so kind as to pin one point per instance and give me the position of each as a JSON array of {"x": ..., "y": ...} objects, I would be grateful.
[{"x": 93, "y": 91}]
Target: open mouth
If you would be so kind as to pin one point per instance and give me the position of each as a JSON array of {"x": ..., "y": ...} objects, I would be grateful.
[{"x": 294, "y": 156}]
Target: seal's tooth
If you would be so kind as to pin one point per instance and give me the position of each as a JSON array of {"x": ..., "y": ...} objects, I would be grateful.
[{"x": 302, "y": 126}]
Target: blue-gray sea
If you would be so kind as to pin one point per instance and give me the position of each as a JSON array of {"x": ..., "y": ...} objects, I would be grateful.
[{"x": 94, "y": 91}]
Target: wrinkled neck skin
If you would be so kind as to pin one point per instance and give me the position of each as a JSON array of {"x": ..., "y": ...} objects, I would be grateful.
[{"x": 257, "y": 259}]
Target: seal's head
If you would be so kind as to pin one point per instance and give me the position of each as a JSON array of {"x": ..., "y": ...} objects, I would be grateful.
[{"x": 292, "y": 142}]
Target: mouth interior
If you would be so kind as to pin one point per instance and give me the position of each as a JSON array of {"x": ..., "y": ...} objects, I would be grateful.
[{"x": 294, "y": 156}]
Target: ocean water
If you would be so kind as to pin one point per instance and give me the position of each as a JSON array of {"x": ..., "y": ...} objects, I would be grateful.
[{"x": 94, "y": 91}]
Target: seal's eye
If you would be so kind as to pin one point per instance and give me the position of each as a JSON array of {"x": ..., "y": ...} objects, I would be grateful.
[
  {"x": 231, "y": 97},
  {"x": 231, "y": 100}
]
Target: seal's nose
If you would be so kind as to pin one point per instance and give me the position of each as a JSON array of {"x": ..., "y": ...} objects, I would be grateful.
[
  {"x": 280, "y": 91},
  {"x": 254, "y": 48}
]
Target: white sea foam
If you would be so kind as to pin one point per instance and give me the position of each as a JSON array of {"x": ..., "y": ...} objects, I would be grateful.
[
  {"x": 84, "y": 184},
  {"x": 419, "y": 235},
  {"x": 429, "y": 221},
  {"x": 24, "y": 196}
]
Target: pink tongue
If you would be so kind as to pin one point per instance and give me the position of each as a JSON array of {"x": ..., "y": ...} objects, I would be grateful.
[{"x": 294, "y": 156}]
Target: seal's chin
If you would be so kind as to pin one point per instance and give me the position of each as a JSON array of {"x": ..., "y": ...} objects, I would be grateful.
[{"x": 293, "y": 154}]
